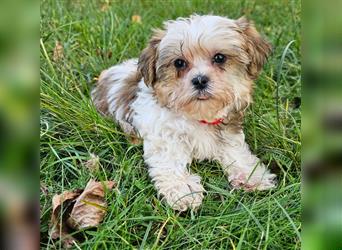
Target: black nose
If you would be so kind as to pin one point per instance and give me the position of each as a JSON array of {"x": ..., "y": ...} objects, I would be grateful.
[{"x": 200, "y": 82}]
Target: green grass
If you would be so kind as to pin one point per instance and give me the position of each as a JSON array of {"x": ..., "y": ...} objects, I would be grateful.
[{"x": 71, "y": 130}]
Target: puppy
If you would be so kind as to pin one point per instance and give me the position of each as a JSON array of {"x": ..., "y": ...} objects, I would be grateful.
[{"x": 185, "y": 97}]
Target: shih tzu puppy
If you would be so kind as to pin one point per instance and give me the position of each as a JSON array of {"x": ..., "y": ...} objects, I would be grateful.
[{"x": 185, "y": 97}]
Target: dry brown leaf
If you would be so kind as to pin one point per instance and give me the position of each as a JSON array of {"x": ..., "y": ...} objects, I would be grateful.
[
  {"x": 59, "y": 199},
  {"x": 104, "y": 7},
  {"x": 104, "y": 54},
  {"x": 67, "y": 239},
  {"x": 136, "y": 19},
  {"x": 90, "y": 207},
  {"x": 44, "y": 189},
  {"x": 93, "y": 163},
  {"x": 81, "y": 209},
  {"x": 58, "y": 52},
  {"x": 58, "y": 229},
  {"x": 109, "y": 54}
]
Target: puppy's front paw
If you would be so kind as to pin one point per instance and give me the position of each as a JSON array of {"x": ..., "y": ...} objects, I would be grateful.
[
  {"x": 254, "y": 182},
  {"x": 182, "y": 194}
]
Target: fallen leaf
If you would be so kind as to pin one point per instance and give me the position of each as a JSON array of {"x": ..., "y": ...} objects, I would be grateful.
[
  {"x": 58, "y": 52},
  {"x": 136, "y": 19},
  {"x": 59, "y": 199},
  {"x": 78, "y": 209},
  {"x": 44, "y": 189},
  {"x": 109, "y": 54},
  {"x": 104, "y": 54},
  {"x": 90, "y": 207},
  {"x": 58, "y": 228},
  {"x": 93, "y": 163},
  {"x": 104, "y": 7},
  {"x": 67, "y": 239}
]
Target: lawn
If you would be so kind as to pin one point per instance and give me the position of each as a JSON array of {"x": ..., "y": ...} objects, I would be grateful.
[{"x": 78, "y": 39}]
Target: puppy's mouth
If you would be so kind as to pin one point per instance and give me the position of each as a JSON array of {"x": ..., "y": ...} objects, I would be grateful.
[{"x": 203, "y": 96}]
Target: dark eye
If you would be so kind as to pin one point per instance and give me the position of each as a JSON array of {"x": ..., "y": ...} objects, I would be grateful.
[
  {"x": 219, "y": 58},
  {"x": 180, "y": 64}
]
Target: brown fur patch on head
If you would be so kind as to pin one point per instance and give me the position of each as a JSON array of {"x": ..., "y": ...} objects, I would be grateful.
[
  {"x": 148, "y": 58},
  {"x": 196, "y": 41},
  {"x": 257, "y": 48}
]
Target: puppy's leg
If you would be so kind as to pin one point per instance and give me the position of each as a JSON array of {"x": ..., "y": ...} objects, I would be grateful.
[
  {"x": 167, "y": 162},
  {"x": 244, "y": 169}
]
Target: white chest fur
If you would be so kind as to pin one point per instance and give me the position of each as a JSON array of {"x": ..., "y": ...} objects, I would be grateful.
[{"x": 157, "y": 123}]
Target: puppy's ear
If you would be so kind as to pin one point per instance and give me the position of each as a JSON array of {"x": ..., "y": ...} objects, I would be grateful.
[
  {"x": 256, "y": 47},
  {"x": 148, "y": 58}
]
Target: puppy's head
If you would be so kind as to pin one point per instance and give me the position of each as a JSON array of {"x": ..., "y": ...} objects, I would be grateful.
[{"x": 204, "y": 66}]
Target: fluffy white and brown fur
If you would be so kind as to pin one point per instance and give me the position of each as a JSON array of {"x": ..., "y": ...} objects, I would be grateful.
[{"x": 153, "y": 99}]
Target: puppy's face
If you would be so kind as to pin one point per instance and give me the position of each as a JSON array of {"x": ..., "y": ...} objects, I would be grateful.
[{"x": 203, "y": 66}]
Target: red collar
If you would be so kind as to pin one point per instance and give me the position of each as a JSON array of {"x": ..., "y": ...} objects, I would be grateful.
[{"x": 216, "y": 121}]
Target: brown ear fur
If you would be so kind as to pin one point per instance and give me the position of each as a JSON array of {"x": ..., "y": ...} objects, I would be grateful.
[
  {"x": 257, "y": 48},
  {"x": 148, "y": 58}
]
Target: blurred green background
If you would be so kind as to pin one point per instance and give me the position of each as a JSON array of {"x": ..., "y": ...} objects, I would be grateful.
[{"x": 322, "y": 125}]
